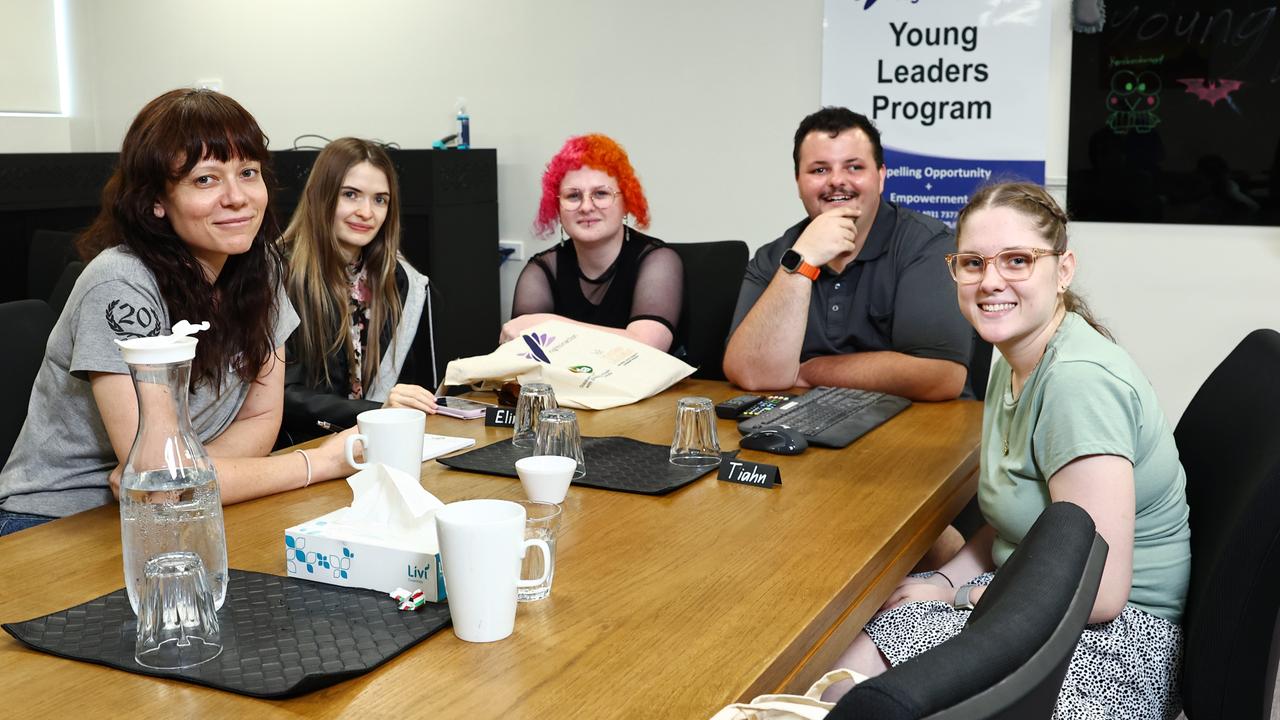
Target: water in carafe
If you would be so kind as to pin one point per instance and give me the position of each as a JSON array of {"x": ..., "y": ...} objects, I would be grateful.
[{"x": 169, "y": 498}]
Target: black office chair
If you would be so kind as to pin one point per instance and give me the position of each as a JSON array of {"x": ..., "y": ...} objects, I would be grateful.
[
  {"x": 28, "y": 323},
  {"x": 979, "y": 367},
  {"x": 1011, "y": 658},
  {"x": 1229, "y": 443},
  {"x": 62, "y": 290},
  {"x": 712, "y": 277},
  {"x": 970, "y": 520},
  {"x": 50, "y": 252}
]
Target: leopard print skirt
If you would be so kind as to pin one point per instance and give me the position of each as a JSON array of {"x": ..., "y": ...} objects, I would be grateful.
[{"x": 1126, "y": 668}]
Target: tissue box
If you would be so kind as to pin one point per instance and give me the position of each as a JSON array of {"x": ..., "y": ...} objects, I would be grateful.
[{"x": 327, "y": 551}]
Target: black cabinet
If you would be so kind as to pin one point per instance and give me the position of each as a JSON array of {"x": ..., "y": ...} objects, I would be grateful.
[
  {"x": 448, "y": 230},
  {"x": 449, "y": 224}
]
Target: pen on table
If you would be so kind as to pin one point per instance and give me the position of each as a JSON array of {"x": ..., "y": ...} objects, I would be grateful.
[{"x": 328, "y": 426}]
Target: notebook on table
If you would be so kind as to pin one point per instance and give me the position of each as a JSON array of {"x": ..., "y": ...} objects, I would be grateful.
[{"x": 433, "y": 446}]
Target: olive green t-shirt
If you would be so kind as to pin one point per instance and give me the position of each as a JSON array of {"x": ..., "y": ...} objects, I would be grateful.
[{"x": 1087, "y": 397}]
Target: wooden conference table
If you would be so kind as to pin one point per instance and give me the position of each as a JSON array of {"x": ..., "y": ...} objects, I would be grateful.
[{"x": 664, "y": 607}]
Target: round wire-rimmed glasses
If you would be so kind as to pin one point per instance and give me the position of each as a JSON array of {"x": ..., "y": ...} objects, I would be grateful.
[
  {"x": 1013, "y": 264},
  {"x": 601, "y": 198}
]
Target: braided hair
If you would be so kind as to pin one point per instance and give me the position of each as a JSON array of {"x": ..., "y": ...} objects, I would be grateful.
[{"x": 1049, "y": 219}]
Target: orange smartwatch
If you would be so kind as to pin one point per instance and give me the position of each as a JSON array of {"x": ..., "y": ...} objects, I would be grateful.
[{"x": 793, "y": 262}]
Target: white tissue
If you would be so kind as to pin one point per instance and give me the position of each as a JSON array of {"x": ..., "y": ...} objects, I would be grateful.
[{"x": 391, "y": 505}]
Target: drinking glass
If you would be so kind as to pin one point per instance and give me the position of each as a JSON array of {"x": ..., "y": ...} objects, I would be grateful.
[
  {"x": 542, "y": 522},
  {"x": 534, "y": 398},
  {"x": 695, "y": 443},
  {"x": 558, "y": 435},
  {"x": 177, "y": 622}
]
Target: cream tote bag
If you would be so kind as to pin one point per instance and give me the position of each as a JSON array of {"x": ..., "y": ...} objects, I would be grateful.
[
  {"x": 589, "y": 369},
  {"x": 790, "y": 707}
]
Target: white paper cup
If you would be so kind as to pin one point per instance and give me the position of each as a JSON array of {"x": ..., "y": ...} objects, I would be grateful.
[
  {"x": 546, "y": 478},
  {"x": 482, "y": 545}
]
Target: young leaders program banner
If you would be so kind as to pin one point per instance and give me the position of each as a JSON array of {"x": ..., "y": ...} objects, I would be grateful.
[{"x": 958, "y": 89}]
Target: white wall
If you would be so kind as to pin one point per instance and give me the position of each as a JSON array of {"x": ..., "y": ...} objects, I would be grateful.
[
  {"x": 705, "y": 96},
  {"x": 34, "y": 134}
]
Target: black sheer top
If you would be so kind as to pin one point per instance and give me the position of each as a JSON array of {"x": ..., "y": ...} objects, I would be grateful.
[{"x": 645, "y": 282}]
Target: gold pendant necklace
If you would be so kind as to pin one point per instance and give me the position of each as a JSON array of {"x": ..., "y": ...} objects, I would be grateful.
[
  {"x": 1023, "y": 389},
  {"x": 1018, "y": 400},
  {"x": 1009, "y": 427}
]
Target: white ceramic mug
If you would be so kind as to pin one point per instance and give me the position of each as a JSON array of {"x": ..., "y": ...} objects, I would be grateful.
[
  {"x": 481, "y": 546},
  {"x": 392, "y": 436}
]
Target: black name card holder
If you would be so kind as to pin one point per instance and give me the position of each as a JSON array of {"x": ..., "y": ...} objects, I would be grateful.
[
  {"x": 500, "y": 417},
  {"x": 749, "y": 473}
]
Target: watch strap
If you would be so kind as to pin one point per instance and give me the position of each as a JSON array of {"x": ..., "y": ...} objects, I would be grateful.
[
  {"x": 810, "y": 271},
  {"x": 803, "y": 268},
  {"x": 963, "y": 599}
]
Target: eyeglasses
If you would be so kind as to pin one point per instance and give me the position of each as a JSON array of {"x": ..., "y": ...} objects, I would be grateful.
[
  {"x": 1013, "y": 264},
  {"x": 602, "y": 199}
]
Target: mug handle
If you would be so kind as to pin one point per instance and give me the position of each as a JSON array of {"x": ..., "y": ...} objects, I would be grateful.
[
  {"x": 350, "y": 450},
  {"x": 546, "y": 561}
]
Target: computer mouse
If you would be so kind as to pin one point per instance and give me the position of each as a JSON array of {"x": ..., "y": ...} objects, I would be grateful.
[{"x": 777, "y": 439}]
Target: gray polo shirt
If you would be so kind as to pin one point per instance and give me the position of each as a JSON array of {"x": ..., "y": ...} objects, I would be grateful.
[
  {"x": 60, "y": 462},
  {"x": 896, "y": 295}
]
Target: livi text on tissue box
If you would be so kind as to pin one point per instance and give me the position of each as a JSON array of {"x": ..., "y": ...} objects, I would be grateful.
[{"x": 385, "y": 540}]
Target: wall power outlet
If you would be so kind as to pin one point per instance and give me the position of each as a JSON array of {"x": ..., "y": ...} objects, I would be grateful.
[{"x": 516, "y": 247}]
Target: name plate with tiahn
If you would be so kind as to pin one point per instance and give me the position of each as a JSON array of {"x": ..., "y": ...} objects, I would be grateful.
[{"x": 750, "y": 473}]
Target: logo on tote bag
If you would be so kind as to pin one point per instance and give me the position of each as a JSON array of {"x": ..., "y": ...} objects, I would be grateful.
[{"x": 536, "y": 343}]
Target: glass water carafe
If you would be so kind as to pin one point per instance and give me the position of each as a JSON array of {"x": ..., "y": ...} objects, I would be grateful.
[{"x": 169, "y": 499}]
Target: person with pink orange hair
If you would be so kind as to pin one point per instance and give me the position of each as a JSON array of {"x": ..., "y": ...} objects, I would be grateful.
[{"x": 603, "y": 274}]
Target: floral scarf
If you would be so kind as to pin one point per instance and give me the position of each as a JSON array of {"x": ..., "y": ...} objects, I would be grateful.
[{"x": 357, "y": 282}]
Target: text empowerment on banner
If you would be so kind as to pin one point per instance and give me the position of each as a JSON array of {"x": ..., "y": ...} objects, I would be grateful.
[
  {"x": 588, "y": 368},
  {"x": 958, "y": 89}
]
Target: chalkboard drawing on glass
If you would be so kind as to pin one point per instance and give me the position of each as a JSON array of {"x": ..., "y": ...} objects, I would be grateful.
[{"x": 1173, "y": 114}]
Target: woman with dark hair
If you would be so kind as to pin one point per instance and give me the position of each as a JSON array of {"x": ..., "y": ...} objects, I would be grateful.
[
  {"x": 360, "y": 302},
  {"x": 602, "y": 274},
  {"x": 184, "y": 234},
  {"x": 1069, "y": 417}
]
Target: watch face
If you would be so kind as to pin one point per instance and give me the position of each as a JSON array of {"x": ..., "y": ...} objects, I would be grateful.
[{"x": 791, "y": 260}]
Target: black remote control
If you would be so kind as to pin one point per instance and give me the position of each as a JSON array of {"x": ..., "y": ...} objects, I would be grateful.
[
  {"x": 730, "y": 409},
  {"x": 765, "y": 404}
]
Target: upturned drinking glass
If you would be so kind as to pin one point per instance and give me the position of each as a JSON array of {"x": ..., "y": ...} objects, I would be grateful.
[
  {"x": 534, "y": 398},
  {"x": 558, "y": 435}
]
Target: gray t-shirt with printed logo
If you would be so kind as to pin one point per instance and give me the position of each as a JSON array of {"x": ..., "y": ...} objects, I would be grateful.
[{"x": 61, "y": 460}]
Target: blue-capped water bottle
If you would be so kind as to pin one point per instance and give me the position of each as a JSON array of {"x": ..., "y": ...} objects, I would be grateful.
[{"x": 464, "y": 125}]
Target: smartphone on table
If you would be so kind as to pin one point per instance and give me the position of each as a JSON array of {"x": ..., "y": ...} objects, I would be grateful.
[{"x": 461, "y": 407}]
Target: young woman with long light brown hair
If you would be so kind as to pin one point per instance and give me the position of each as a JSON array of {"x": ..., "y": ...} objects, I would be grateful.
[{"x": 365, "y": 311}]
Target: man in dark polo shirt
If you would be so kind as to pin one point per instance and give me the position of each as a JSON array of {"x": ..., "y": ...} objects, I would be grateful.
[{"x": 857, "y": 294}]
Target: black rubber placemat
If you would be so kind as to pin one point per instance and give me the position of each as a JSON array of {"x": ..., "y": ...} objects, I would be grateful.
[
  {"x": 613, "y": 463},
  {"x": 281, "y": 636}
]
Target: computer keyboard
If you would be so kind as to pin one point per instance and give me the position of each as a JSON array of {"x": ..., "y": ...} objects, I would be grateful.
[{"x": 831, "y": 417}]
